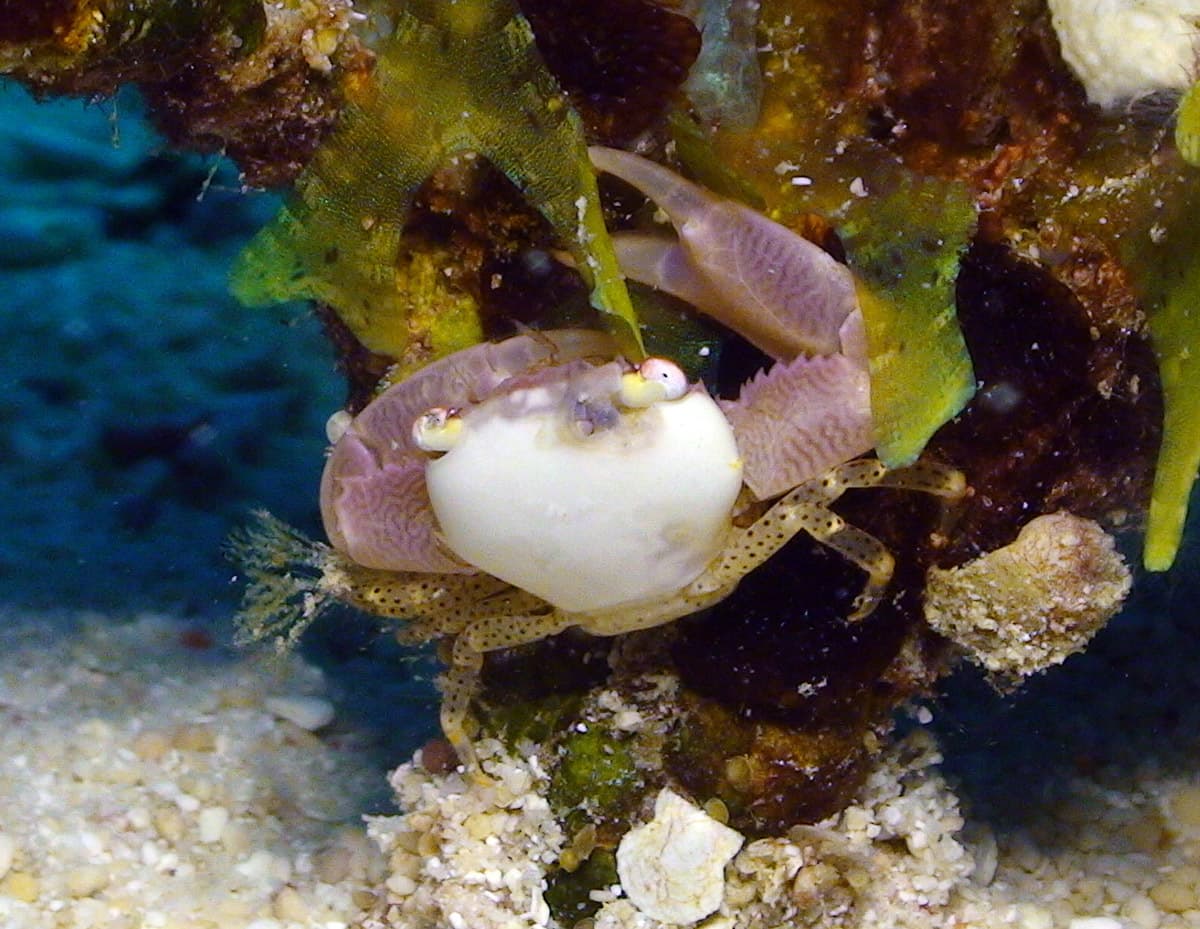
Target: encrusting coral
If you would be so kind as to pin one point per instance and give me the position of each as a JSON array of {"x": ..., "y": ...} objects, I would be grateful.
[{"x": 1035, "y": 602}]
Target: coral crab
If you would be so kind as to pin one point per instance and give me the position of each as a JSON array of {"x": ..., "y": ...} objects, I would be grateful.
[{"x": 510, "y": 491}]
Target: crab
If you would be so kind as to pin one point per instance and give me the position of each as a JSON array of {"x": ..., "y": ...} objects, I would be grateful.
[{"x": 510, "y": 491}]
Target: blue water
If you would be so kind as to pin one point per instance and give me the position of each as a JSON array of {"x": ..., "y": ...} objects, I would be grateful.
[{"x": 143, "y": 411}]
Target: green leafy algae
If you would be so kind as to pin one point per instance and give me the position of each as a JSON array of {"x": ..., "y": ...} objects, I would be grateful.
[
  {"x": 596, "y": 778},
  {"x": 907, "y": 251},
  {"x": 1187, "y": 126},
  {"x": 1169, "y": 276},
  {"x": 458, "y": 78}
]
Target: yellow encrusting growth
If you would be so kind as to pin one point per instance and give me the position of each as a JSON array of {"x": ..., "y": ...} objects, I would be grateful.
[{"x": 456, "y": 79}]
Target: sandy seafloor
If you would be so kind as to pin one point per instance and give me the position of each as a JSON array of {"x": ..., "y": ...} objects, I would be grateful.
[{"x": 153, "y": 776}]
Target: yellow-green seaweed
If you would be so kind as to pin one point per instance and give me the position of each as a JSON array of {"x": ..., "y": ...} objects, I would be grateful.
[
  {"x": 1171, "y": 275},
  {"x": 1187, "y": 126},
  {"x": 461, "y": 77},
  {"x": 905, "y": 243}
]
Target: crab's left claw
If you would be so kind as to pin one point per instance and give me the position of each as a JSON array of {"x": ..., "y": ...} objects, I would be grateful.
[{"x": 759, "y": 278}]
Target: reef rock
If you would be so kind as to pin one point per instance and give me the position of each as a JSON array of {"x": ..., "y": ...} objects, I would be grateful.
[{"x": 1034, "y": 602}]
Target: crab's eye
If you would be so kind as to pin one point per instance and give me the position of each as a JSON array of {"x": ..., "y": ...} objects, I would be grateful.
[
  {"x": 655, "y": 379},
  {"x": 437, "y": 429},
  {"x": 660, "y": 371}
]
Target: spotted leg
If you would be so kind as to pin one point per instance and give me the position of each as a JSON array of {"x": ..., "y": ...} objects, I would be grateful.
[
  {"x": 806, "y": 509},
  {"x": 460, "y": 682}
]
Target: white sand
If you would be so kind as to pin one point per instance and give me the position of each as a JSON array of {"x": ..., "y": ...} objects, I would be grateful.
[
  {"x": 147, "y": 780},
  {"x": 151, "y": 780}
]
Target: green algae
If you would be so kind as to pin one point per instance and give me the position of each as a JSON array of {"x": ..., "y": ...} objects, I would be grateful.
[
  {"x": 1170, "y": 280},
  {"x": 907, "y": 252},
  {"x": 1187, "y": 126},
  {"x": 596, "y": 777},
  {"x": 532, "y": 720},
  {"x": 462, "y": 78}
]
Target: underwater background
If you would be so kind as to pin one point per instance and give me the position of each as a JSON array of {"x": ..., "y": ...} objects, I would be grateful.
[{"x": 146, "y": 414}]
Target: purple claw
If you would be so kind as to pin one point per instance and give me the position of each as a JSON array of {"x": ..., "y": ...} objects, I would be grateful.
[
  {"x": 774, "y": 287},
  {"x": 799, "y": 419},
  {"x": 374, "y": 503}
]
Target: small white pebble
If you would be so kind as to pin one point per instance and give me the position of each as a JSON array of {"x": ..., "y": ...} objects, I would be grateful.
[
  {"x": 290, "y": 906},
  {"x": 187, "y": 803},
  {"x": 309, "y": 713},
  {"x": 138, "y": 818},
  {"x": 1095, "y": 922},
  {"x": 1141, "y": 911},
  {"x": 212, "y": 821},
  {"x": 1032, "y": 916},
  {"x": 8, "y": 853},
  {"x": 258, "y": 866},
  {"x": 86, "y": 880}
]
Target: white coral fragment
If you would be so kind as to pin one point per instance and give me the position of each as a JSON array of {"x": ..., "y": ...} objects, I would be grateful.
[
  {"x": 673, "y": 867},
  {"x": 1121, "y": 49},
  {"x": 1033, "y": 603}
]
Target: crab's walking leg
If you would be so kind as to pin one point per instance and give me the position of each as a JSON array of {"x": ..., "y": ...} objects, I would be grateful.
[
  {"x": 460, "y": 682},
  {"x": 806, "y": 508},
  {"x": 459, "y": 685}
]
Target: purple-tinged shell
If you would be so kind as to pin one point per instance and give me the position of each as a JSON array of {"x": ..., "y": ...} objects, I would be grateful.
[{"x": 373, "y": 499}]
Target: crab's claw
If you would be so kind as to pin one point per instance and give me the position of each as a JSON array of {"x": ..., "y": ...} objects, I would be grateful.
[{"x": 759, "y": 278}]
